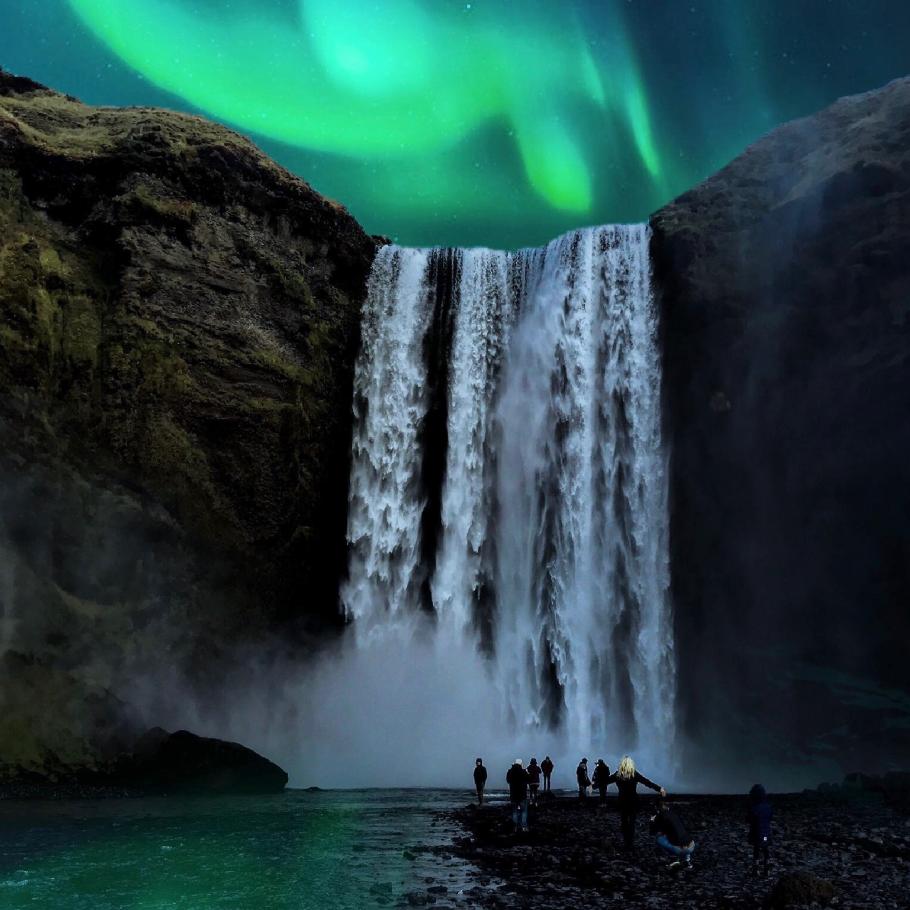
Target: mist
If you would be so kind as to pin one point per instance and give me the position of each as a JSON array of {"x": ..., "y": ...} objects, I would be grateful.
[{"x": 395, "y": 712}]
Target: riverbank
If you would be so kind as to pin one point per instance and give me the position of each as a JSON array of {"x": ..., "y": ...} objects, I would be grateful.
[{"x": 832, "y": 851}]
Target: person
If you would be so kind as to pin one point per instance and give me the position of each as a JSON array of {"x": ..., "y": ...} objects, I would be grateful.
[
  {"x": 581, "y": 775},
  {"x": 480, "y": 779},
  {"x": 533, "y": 780},
  {"x": 672, "y": 836},
  {"x": 627, "y": 778},
  {"x": 517, "y": 779},
  {"x": 758, "y": 818},
  {"x": 546, "y": 766},
  {"x": 601, "y": 778}
]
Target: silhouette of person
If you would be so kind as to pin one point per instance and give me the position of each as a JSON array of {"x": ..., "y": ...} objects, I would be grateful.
[
  {"x": 480, "y": 779},
  {"x": 758, "y": 818},
  {"x": 600, "y": 779},
  {"x": 517, "y": 779},
  {"x": 533, "y": 780},
  {"x": 581, "y": 775},
  {"x": 546, "y": 766}
]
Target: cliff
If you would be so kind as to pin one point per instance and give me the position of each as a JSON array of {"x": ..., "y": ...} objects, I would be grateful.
[
  {"x": 178, "y": 321},
  {"x": 786, "y": 328}
]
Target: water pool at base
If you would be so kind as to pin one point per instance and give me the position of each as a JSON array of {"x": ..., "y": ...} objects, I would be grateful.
[{"x": 321, "y": 850}]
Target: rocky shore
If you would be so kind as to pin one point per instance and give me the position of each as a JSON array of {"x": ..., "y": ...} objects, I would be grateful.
[{"x": 829, "y": 850}]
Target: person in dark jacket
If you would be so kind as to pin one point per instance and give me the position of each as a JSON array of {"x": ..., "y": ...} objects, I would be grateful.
[
  {"x": 672, "y": 836},
  {"x": 581, "y": 775},
  {"x": 600, "y": 779},
  {"x": 758, "y": 818},
  {"x": 546, "y": 766},
  {"x": 480, "y": 779},
  {"x": 517, "y": 779},
  {"x": 533, "y": 780},
  {"x": 627, "y": 779}
]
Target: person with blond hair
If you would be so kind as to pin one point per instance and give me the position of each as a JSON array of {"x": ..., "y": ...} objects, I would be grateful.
[{"x": 627, "y": 778}]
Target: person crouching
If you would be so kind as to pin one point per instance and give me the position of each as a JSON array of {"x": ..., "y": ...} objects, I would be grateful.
[{"x": 672, "y": 836}]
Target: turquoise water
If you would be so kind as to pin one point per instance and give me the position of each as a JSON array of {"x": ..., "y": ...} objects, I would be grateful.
[{"x": 301, "y": 850}]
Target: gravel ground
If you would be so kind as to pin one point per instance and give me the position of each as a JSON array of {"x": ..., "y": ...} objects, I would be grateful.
[{"x": 826, "y": 852}]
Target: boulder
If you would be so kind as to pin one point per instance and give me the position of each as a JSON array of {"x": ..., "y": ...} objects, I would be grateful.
[{"x": 182, "y": 762}]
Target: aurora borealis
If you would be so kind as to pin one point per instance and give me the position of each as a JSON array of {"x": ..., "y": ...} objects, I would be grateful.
[{"x": 491, "y": 121}]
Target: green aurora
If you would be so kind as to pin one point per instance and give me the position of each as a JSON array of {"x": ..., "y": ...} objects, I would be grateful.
[{"x": 499, "y": 123}]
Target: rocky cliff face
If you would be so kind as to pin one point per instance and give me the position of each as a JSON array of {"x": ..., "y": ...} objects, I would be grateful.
[
  {"x": 178, "y": 322},
  {"x": 786, "y": 327}
]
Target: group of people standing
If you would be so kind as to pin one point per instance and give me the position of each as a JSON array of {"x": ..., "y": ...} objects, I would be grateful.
[{"x": 666, "y": 826}]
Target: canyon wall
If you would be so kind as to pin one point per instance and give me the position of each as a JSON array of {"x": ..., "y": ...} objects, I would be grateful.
[{"x": 179, "y": 318}]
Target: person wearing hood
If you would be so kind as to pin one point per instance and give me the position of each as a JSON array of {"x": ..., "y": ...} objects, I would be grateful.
[
  {"x": 581, "y": 775},
  {"x": 758, "y": 818},
  {"x": 627, "y": 778},
  {"x": 480, "y": 779},
  {"x": 546, "y": 766},
  {"x": 533, "y": 780},
  {"x": 600, "y": 780},
  {"x": 517, "y": 779}
]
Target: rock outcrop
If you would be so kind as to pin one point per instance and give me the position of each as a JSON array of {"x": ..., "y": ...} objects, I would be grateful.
[
  {"x": 179, "y": 318},
  {"x": 182, "y": 762},
  {"x": 158, "y": 763},
  {"x": 786, "y": 329}
]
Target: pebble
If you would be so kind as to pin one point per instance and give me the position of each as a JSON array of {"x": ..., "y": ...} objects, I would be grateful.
[{"x": 572, "y": 858}]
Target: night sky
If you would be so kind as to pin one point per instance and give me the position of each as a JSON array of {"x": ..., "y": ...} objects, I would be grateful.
[{"x": 490, "y": 122}]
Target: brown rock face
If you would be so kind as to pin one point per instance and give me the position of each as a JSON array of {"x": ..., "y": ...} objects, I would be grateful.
[
  {"x": 179, "y": 318},
  {"x": 786, "y": 328}
]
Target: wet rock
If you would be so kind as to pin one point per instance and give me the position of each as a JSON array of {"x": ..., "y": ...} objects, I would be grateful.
[
  {"x": 800, "y": 889},
  {"x": 577, "y": 859}
]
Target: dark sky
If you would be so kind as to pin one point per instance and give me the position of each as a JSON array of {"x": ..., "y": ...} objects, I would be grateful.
[{"x": 486, "y": 122}]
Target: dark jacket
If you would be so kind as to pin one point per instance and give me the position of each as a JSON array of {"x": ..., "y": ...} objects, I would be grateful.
[
  {"x": 534, "y": 774},
  {"x": 758, "y": 816},
  {"x": 628, "y": 788},
  {"x": 480, "y": 775},
  {"x": 668, "y": 823},
  {"x": 581, "y": 775},
  {"x": 547, "y": 767},
  {"x": 601, "y": 778},
  {"x": 517, "y": 779}
]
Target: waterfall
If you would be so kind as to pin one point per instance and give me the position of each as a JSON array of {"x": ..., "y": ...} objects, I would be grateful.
[{"x": 508, "y": 484}]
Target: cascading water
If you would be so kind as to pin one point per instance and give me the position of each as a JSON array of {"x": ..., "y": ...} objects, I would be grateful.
[{"x": 508, "y": 486}]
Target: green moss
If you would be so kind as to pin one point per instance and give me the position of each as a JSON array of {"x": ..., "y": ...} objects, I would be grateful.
[
  {"x": 171, "y": 456},
  {"x": 272, "y": 359},
  {"x": 82, "y": 330},
  {"x": 167, "y": 209}
]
